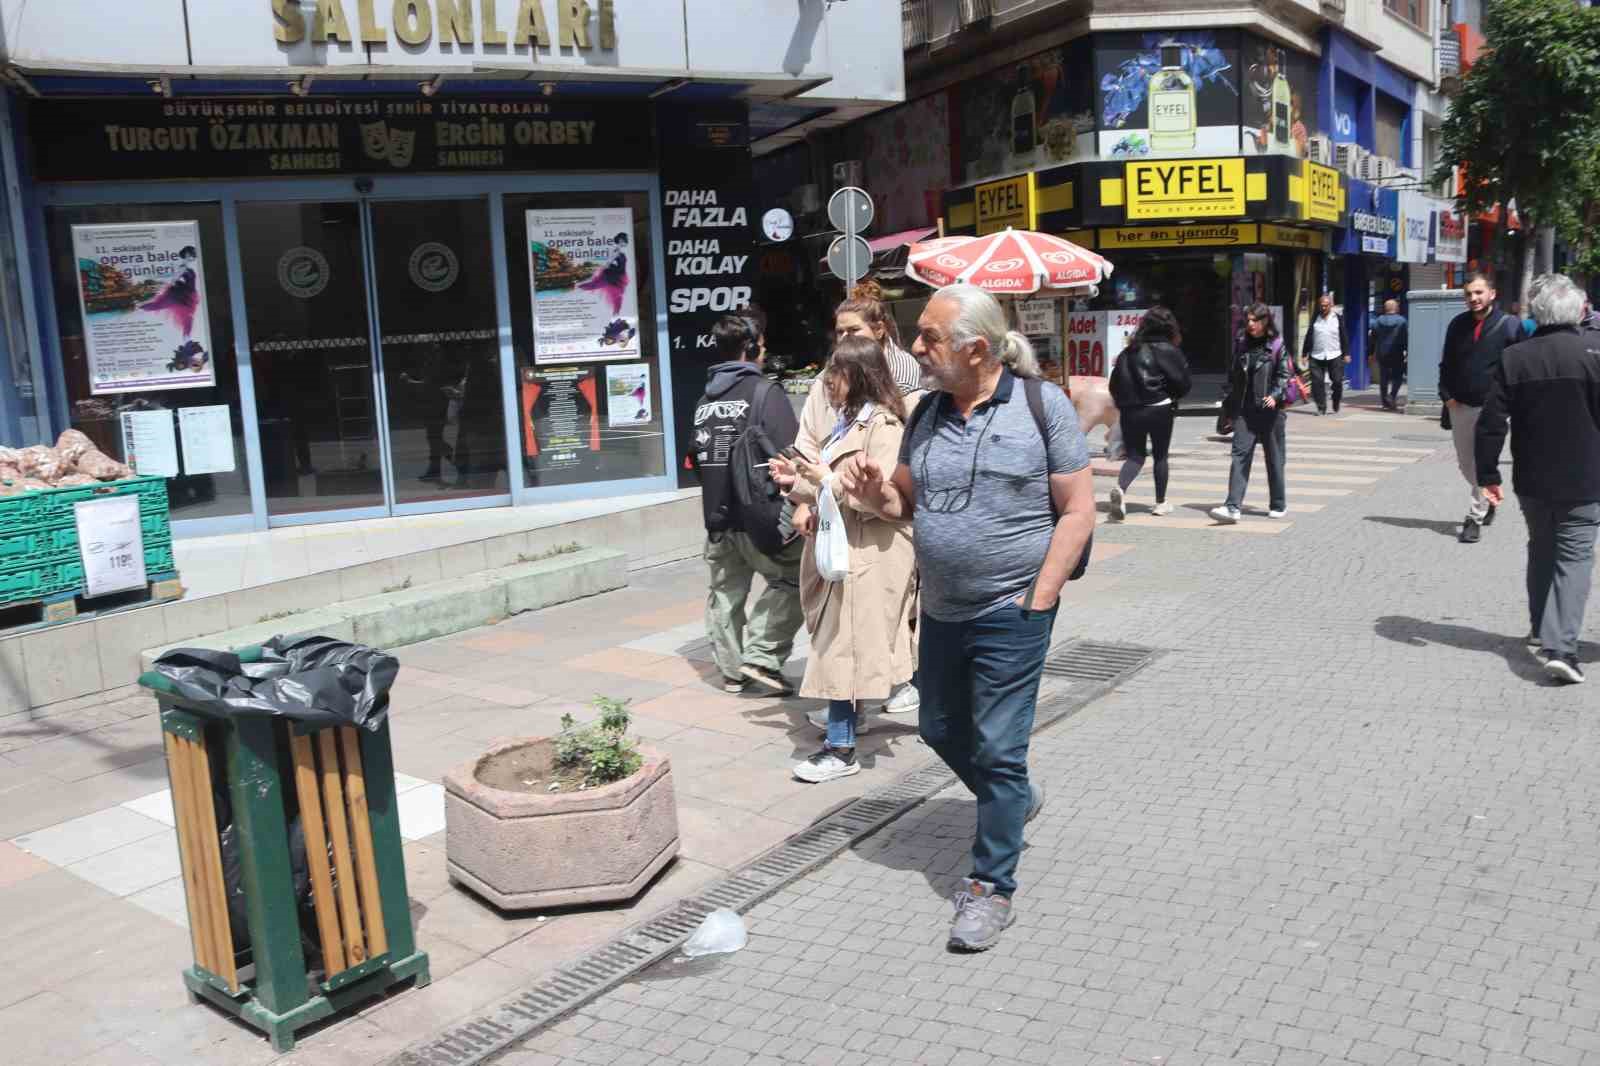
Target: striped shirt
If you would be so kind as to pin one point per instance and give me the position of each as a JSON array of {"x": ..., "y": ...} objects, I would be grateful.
[{"x": 903, "y": 368}]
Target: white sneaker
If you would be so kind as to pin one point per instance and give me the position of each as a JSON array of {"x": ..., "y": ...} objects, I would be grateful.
[
  {"x": 1162, "y": 508},
  {"x": 1119, "y": 505},
  {"x": 1278, "y": 513},
  {"x": 826, "y": 765},
  {"x": 820, "y": 720},
  {"x": 1226, "y": 515},
  {"x": 902, "y": 700}
]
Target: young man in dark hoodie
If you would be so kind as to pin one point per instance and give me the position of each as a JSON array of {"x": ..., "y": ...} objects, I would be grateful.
[
  {"x": 749, "y": 651},
  {"x": 1473, "y": 344}
]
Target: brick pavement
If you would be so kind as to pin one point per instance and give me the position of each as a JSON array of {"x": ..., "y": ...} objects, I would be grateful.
[{"x": 1341, "y": 820}]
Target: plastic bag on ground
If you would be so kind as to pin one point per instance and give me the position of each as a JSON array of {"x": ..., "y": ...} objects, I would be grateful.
[
  {"x": 721, "y": 932},
  {"x": 317, "y": 680}
]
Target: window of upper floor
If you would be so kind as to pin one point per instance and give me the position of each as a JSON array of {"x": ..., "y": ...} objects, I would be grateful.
[{"x": 1413, "y": 11}]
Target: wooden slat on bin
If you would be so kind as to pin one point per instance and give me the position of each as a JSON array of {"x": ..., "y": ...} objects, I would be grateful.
[
  {"x": 211, "y": 867},
  {"x": 355, "y": 951},
  {"x": 178, "y": 772},
  {"x": 311, "y": 823},
  {"x": 355, "y": 797},
  {"x": 194, "y": 794}
]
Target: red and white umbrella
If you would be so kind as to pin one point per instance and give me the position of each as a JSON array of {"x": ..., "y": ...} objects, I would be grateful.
[{"x": 1009, "y": 263}]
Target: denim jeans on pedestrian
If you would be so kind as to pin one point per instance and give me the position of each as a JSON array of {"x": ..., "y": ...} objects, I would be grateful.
[
  {"x": 1561, "y": 535},
  {"x": 979, "y": 685},
  {"x": 841, "y": 723},
  {"x": 1268, "y": 428},
  {"x": 1390, "y": 376}
]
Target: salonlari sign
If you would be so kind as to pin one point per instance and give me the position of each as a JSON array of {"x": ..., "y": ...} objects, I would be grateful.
[{"x": 578, "y": 24}]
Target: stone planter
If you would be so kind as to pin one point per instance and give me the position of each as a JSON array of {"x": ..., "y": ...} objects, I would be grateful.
[{"x": 519, "y": 850}]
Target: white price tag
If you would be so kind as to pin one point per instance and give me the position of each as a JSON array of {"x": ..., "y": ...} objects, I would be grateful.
[{"x": 111, "y": 544}]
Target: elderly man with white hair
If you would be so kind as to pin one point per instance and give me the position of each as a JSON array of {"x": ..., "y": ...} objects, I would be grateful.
[
  {"x": 994, "y": 472},
  {"x": 1549, "y": 388}
]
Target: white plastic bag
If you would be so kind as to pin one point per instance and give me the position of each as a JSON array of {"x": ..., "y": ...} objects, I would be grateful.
[
  {"x": 833, "y": 544},
  {"x": 722, "y": 931}
]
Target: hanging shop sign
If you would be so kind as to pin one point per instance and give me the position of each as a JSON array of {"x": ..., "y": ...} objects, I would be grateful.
[
  {"x": 1321, "y": 194},
  {"x": 584, "y": 273},
  {"x": 1184, "y": 188},
  {"x": 1199, "y": 235},
  {"x": 132, "y": 139},
  {"x": 1450, "y": 245},
  {"x": 1413, "y": 227},
  {"x": 1007, "y": 204},
  {"x": 142, "y": 291},
  {"x": 1372, "y": 224},
  {"x": 1096, "y": 338}
]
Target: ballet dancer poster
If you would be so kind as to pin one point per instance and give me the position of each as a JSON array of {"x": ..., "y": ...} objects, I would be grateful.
[
  {"x": 584, "y": 269},
  {"x": 143, "y": 295}
]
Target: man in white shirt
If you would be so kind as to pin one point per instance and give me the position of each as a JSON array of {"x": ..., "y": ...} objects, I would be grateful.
[{"x": 1327, "y": 347}]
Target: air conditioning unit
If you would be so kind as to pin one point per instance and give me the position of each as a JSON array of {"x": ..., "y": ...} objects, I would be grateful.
[
  {"x": 970, "y": 12},
  {"x": 1377, "y": 168},
  {"x": 1347, "y": 157},
  {"x": 849, "y": 172},
  {"x": 1319, "y": 149}
]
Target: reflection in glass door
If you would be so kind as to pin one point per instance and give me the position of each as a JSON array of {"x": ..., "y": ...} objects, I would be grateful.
[
  {"x": 305, "y": 284},
  {"x": 440, "y": 357}
]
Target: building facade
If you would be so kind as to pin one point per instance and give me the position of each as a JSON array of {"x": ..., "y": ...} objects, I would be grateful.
[{"x": 334, "y": 259}]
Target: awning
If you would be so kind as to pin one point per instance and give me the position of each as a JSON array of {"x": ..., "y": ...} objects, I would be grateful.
[{"x": 883, "y": 247}]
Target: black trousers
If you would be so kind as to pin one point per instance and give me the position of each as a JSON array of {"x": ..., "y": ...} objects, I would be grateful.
[
  {"x": 1145, "y": 429},
  {"x": 1267, "y": 429},
  {"x": 1333, "y": 369}
]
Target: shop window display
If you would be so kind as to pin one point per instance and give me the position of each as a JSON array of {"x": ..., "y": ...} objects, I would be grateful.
[
  {"x": 583, "y": 327},
  {"x": 147, "y": 348}
]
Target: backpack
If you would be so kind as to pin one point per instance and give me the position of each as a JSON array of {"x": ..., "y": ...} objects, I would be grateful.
[
  {"x": 1033, "y": 388},
  {"x": 757, "y": 502}
]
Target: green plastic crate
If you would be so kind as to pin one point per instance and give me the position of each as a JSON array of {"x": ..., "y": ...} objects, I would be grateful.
[
  {"x": 36, "y": 548},
  {"x": 59, "y": 576},
  {"x": 52, "y": 508}
]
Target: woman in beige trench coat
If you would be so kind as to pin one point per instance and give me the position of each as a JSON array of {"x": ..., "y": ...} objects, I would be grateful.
[{"x": 860, "y": 645}]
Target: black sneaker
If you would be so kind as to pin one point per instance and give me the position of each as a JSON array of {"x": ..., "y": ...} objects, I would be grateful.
[
  {"x": 770, "y": 680},
  {"x": 1488, "y": 519},
  {"x": 1563, "y": 668},
  {"x": 1470, "y": 532}
]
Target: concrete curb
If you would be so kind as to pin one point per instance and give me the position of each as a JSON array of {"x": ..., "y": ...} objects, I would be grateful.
[{"x": 439, "y": 608}]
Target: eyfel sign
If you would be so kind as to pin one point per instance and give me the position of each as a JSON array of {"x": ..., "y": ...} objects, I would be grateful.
[{"x": 1185, "y": 188}]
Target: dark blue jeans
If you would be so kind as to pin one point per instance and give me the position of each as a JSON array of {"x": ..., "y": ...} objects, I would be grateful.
[{"x": 979, "y": 682}]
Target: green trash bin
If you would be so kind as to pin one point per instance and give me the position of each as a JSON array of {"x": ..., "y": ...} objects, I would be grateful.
[{"x": 277, "y": 780}]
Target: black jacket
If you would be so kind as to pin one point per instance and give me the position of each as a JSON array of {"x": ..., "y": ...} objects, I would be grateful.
[
  {"x": 1549, "y": 387},
  {"x": 1344, "y": 337},
  {"x": 1257, "y": 371},
  {"x": 720, "y": 416},
  {"x": 1150, "y": 374},
  {"x": 1467, "y": 366}
]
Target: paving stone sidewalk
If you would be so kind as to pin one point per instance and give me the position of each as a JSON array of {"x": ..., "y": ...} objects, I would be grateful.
[{"x": 1342, "y": 819}]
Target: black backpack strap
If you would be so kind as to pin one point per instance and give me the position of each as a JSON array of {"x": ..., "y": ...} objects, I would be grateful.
[
  {"x": 1034, "y": 389},
  {"x": 923, "y": 404}
]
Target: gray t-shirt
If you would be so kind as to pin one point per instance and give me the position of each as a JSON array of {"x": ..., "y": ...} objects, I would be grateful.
[{"x": 983, "y": 519}]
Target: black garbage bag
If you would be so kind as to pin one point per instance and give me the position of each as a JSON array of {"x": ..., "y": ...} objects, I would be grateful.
[{"x": 317, "y": 680}]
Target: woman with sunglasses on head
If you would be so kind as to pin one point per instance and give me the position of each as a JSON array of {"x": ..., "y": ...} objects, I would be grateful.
[
  {"x": 861, "y": 647},
  {"x": 1257, "y": 380},
  {"x": 1150, "y": 377}
]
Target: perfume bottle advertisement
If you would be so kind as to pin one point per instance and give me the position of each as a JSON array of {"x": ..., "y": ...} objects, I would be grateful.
[
  {"x": 1168, "y": 93},
  {"x": 1036, "y": 113},
  {"x": 1280, "y": 99}
]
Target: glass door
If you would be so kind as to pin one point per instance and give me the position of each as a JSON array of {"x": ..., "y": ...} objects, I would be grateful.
[
  {"x": 306, "y": 301},
  {"x": 440, "y": 349},
  {"x": 375, "y": 343}
]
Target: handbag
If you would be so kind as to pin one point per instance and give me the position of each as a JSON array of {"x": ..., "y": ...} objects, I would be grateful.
[{"x": 833, "y": 542}]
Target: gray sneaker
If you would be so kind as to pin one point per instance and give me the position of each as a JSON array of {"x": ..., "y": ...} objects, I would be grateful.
[
  {"x": 981, "y": 916},
  {"x": 1035, "y": 800}
]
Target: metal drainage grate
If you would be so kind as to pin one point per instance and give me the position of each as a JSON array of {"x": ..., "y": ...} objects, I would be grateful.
[
  {"x": 637, "y": 948},
  {"x": 1087, "y": 660}
]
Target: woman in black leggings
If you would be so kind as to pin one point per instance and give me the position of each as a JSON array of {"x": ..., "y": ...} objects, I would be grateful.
[{"x": 1150, "y": 377}]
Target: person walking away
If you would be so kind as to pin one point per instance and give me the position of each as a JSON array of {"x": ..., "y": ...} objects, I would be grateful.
[
  {"x": 1327, "y": 347},
  {"x": 1474, "y": 342},
  {"x": 1387, "y": 341},
  {"x": 1150, "y": 377},
  {"x": 861, "y": 647},
  {"x": 863, "y": 314},
  {"x": 748, "y": 649},
  {"x": 994, "y": 473},
  {"x": 1523, "y": 313},
  {"x": 1254, "y": 400},
  {"x": 1548, "y": 388}
]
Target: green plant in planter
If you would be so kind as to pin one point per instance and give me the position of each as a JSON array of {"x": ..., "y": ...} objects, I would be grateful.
[{"x": 601, "y": 750}]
